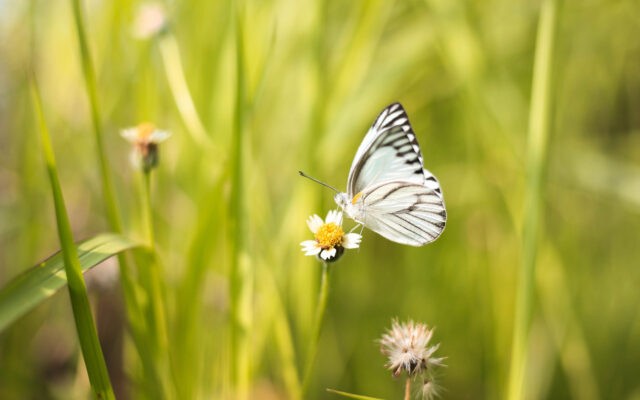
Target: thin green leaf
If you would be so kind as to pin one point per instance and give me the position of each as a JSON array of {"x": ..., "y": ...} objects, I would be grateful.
[
  {"x": 85, "y": 326},
  {"x": 540, "y": 112},
  {"x": 352, "y": 396},
  {"x": 37, "y": 284}
]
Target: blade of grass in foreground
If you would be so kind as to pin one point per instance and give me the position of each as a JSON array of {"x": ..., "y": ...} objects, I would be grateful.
[
  {"x": 37, "y": 284},
  {"x": 539, "y": 126},
  {"x": 241, "y": 274},
  {"x": 85, "y": 326}
]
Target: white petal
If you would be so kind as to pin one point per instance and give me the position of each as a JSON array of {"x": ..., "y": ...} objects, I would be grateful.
[
  {"x": 351, "y": 240},
  {"x": 312, "y": 252},
  {"x": 335, "y": 217},
  {"x": 307, "y": 244},
  {"x": 158, "y": 136},
  {"x": 314, "y": 222},
  {"x": 130, "y": 134},
  {"x": 327, "y": 254},
  {"x": 310, "y": 247}
]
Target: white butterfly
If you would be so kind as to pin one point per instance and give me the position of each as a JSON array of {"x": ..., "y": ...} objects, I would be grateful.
[{"x": 388, "y": 190}]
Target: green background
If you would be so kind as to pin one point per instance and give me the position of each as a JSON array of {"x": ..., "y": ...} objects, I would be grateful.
[{"x": 316, "y": 75}]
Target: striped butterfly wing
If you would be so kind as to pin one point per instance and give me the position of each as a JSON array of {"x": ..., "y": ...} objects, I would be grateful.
[
  {"x": 405, "y": 212},
  {"x": 389, "y": 152}
]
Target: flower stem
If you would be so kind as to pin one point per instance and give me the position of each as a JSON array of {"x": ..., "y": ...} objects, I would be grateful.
[
  {"x": 407, "y": 388},
  {"x": 317, "y": 326},
  {"x": 152, "y": 278},
  {"x": 147, "y": 210},
  {"x": 539, "y": 127}
]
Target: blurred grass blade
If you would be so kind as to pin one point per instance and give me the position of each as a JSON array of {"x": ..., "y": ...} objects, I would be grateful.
[
  {"x": 351, "y": 395},
  {"x": 538, "y": 137},
  {"x": 90, "y": 82},
  {"x": 85, "y": 326},
  {"x": 241, "y": 274},
  {"x": 178, "y": 84},
  {"x": 37, "y": 284},
  {"x": 565, "y": 325},
  {"x": 108, "y": 193}
]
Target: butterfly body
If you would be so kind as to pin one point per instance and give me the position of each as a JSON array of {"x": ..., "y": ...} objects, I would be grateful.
[
  {"x": 353, "y": 206},
  {"x": 388, "y": 190}
]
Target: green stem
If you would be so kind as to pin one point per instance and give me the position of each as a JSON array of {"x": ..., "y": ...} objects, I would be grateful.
[
  {"x": 152, "y": 277},
  {"x": 147, "y": 210},
  {"x": 85, "y": 326},
  {"x": 539, "y": 127},
  {"x": 157, "y": 344},
  {"x": 317, "y": 327}
]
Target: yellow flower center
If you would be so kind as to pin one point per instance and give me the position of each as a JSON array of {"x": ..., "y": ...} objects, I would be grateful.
[
  {"x": 329, "y": 235},
  {"x": 145, "y": 130}
]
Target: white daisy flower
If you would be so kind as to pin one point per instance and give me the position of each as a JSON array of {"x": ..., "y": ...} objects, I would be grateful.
[
  {"x": 145, "y": 138},
  {"x": 330, "y": 240},
  {"x": 407, "y": 347},
  {"x": 150, "y": 21}
]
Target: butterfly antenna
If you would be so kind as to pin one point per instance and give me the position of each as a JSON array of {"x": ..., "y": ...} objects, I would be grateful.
[{"x": 317, "y": 181}]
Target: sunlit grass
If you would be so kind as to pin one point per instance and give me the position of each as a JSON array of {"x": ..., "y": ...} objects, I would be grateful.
[{"x": 252, "y": 92}]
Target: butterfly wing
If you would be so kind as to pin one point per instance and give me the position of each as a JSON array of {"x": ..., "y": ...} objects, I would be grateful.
[
  {"x": 405, "y": 212},
  {"x": 388, "y": 152}
]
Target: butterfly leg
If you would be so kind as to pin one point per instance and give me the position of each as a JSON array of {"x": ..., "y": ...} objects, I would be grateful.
[{"x": 356, "y": 227}]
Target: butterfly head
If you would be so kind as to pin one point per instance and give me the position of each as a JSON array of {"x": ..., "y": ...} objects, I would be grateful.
[
  {"x": 342, "y": 199},
  {"x": 350, "y": 206}
]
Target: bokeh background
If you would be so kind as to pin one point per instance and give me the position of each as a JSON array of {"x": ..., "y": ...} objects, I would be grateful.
[{"x": 316, "y": 74}]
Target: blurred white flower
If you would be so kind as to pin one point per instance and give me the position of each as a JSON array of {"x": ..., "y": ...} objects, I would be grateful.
[
  {"x": 144, "y": 138},
  {"x": 330, "y": 240},
  {"x": 150, "y": 21}
]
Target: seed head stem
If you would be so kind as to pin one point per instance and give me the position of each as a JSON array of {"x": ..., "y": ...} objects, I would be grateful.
[{"x": 407, "y": 388}]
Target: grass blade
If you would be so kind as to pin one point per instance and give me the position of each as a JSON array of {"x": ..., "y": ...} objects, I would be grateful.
[
  {"x": 241, "y": 274},
  {"x": 539, "y": 127},
  {"x": 351, "y": 395},
  {"x": 85, "y": 326},
  {"x": 37, "y": 284},
  {"x": 90, "y": 83}
]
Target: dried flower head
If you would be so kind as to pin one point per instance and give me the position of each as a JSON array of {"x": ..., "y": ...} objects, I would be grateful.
[
  {"x": 330, "y": 240},
  {"x": 407, "y": 347},
  {"x": 430, "y": 389},
  {"x": 151, "y": 20},
  {"x": 145, "y": 138}
]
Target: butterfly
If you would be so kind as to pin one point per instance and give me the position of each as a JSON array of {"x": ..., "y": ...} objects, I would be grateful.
[{"x": 388, "y": 189}]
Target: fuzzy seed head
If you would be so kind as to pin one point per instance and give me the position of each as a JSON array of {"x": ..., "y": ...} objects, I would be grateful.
[{"x": 407, "y": 348}]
